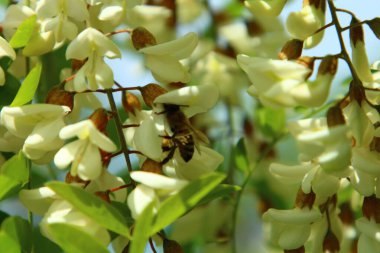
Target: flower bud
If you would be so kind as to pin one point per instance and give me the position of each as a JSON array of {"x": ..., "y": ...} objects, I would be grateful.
[
  {"x": 346, "y": 214},
  {"x": 171, "y": 246},
  {"x": 100, "y": 119},
  {"x": 75, "y": 179},
  {"x": 152, "y": 166},
  {"x": 150, "y": 91},
  {"x": 305, "y": 199},
  {"x": 335, "y": 117},
  {"x": 308, "y": 62},
  {"x": 331, "y": 242},
  {"x": 329, "y": 66},
  {"x": 291, "y": 50},
  {"x": 104, "y": 196},
  {"x": 141, "y": 38},
  {"x": 375, "y": 144},
  {"x": 130, "y": 102},
  {"x": 371, "y": 208},
  {"x": 359, "y": 54},
  {"x": 357, "y": 92},
  {"x": 58, "y": 96}
]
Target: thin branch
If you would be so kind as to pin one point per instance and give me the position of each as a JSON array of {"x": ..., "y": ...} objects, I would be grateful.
[
  {"x": 152, "y": 246},
  {"x": 323, "y": 28},
  {"x": 119, "y": 128},
  {"x": 110, "y": 90},
  {"x": 120, "y": 187},
  {"x": 344, "y": 53},
  {"x": 354, "y": 25},
  {"x": 346, "y": 11}
]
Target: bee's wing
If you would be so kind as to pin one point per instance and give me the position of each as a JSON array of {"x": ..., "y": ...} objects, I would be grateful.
[{"x": 198, "y": 136}]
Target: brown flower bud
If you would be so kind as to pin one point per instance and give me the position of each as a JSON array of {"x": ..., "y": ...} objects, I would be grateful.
[
  {"x": 75, "y": 179},
  {"x": 291, "y": 50},
  {"x": 357, "y": 92},
  {"x": 346, "y": 214},
  {"x": 335, "y": 116},
  {"x": 176, "y": 85},
  {"x": 371, "y": 208},
  {"x": 77, "y": 64},
  {"x": 141, "y": 38},
  {"x": 249, "y": 128},
  {"x": 329, "y": 65},
  {"x": 254, "y": 28},
  {"x": 171, "y": 246},
  {"x": 305, "y": 200},
  {"x": 299, "y": 250},
  {"x": 356, "y": 33},
  {"x": 319, "y": 4},
  {"x": 375, "y": 144},
  {"x": 58, "y": 96},
  {"x": 152, "y": 166},
  {"x": 150, "y": 91},
  {"x": 131, "y": 102},
  {"x": 307, "y": 62},
  {"x": 331, "y": 242},
  {"x": 100, "y": 119},
  {"x": 104, "y": 196}
]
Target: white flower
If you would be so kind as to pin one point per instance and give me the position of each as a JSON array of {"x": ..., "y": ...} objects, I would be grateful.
[
  {"x": 330, "y": 147},
  {"x": 273, "y": 80},
  {"x": 58, "y": 15},
  {"x": 223, "y": 72},
  {"x": 5, "y": 50},
  {"x": 303, "y": 24},
  {"x": 39, "y": 125},
  {"x": 14, "y": 16},
  {"x": 202, "y": 163},
  {"x": 84, "y": 153},
  {"x": 93, "y": 46},
  {"x": 311, "y": 177},
  {"x": 153, "y": 188},
  {"x": 369, "y": 239},
  {"x": 291, "y": 228},
  {"x": 164, "y": 59},
  {"x": 10, "y": 142},
  {"x": 265, "y": 7}
]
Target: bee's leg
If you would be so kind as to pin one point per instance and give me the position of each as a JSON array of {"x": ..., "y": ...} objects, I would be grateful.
[{"x": 169, "y": 156}]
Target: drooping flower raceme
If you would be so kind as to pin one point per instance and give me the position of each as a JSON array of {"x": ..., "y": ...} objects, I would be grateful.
[
  {"x": 83, "y": 154},
  {"x": 39, "y": 125},
  {"x": 91, "y": 45}
]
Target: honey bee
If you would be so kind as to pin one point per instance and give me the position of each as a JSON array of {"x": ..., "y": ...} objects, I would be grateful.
[{"x": 183, "y": 136}]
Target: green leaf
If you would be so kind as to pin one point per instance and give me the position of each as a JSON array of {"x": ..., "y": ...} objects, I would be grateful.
[
  {"x": 74, "y": 240},
  {"x": 7, "y": 244},
  {"x": 92, "y": 206},
  {"x": 222, "y": 190},
  {"x": 240, "y": 156},
  {"x": 142, "y": 230},
  {"x": 271, "y": 121},
  {"x": 28, "y": 87},
  {"x": 19, "y": 230},
  {"x": 24, "y": 32},
  {"x": 177, "y": 205},
  {"x": 9, "y": 90},
  {"x": 14, "y": 174}
]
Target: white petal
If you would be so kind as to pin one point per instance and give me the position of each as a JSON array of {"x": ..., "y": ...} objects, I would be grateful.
[
  {"x": 148, "y": 131},
  {"x": 293, "y": 216},
  {"x": 178, "y": 49},
  {"x": 157, "y": 181},
  {"x": 294, "y": 236},
  {"x": 67, "y": 153},
  {"x": 37, "y": 200},
  {"x": 80, "y": 129},
  {"x": 100, "y": 140},
  {"x": 90, "y": 164},
  {"x": 167, "y": 69},
  {"x": 140, "y": 198},
  {"x": 6, "y": 49}
]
